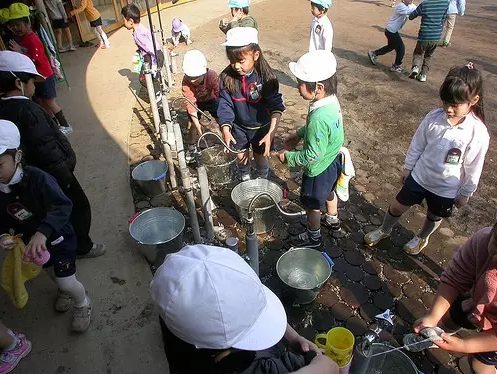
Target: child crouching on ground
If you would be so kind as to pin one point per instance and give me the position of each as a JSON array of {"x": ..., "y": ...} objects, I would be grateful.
[
  {"x": 467, "y": 297},
  {"x": 32, "y": 204},
  {"x": 250, "y": 104},
  {"x": 323, "y": 137},
  {"x": 444, "y": 162},
  {"x": 201, "y": 88},
  {"x": 180, "y": 31}
]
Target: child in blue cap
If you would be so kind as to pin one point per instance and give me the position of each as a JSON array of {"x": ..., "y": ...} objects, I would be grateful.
[
  {"x": 321, "y": 28},
  {"x": 240, "y": 14}
]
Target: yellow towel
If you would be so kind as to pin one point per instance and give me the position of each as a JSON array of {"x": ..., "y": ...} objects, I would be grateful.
[{"x": 15, "y": 273}]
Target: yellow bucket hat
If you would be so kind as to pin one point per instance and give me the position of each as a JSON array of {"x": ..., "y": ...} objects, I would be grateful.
[
  {"x": 18, "y": 10},
  {"x": 4, "y": 15}
]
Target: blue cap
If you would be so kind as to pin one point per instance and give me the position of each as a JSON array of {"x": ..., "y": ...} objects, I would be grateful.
[
  {"x": 238, "y": 4},
  {"x": 324, "y": 3}
]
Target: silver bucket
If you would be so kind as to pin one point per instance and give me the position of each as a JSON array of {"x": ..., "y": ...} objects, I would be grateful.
[
  {"x": 394, "y": 362},
  {"x": 220, "y": 166},
  {"x": 150, "y": 176},
  {"x": 304, "y": 271},
  {"x": 264, "y": 209},
  {"x": 159, "y": 231}
]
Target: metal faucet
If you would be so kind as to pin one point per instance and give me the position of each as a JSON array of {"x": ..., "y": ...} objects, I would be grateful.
[{"x": 384, "y": 322}]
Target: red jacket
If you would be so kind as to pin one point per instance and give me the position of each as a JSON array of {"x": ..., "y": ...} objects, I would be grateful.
[
  {"x": 208, "y": 90},
  {"x": 36, "y": 52}
]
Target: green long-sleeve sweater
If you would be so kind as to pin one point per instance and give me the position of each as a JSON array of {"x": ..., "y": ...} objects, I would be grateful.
[
  {"x": 323, "y": 137},
  {"x": 247, "y": 21}
]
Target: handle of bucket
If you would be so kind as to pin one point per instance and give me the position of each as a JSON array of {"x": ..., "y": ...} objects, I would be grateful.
[
  {"x": 158, "y": 178},
  {"x": 328, "y": 258},
  {"x": 134, "y": 217}
]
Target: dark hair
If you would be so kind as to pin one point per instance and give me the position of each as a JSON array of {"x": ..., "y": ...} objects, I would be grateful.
[
  {"x": 8, "y": 80},
  {"x": 33, "y": 21},
  {"x": 330, "y": 85},
  {"x": 231, "y": 78},
  {"x": 320, "y": 7},
  {"x": 131, "y": 11},
  {"x": 461, "y": 85}
]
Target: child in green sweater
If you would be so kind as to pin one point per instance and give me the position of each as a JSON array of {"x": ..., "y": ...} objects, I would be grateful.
[{"x": 323, "y": 137}]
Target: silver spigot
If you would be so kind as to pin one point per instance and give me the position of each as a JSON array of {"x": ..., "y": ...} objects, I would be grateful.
[{"x": 384, "y": 322}]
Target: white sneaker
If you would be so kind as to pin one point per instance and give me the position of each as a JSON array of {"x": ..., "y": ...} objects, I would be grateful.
[
  {"x": 414, "y": 72},
  {"x": 421, "y": 77},
  {"x": 63, "y": 49},
  {"x": 415, "y": 245},
  {"x": 72, "y": 48},
  {"x": 372, "y": 57},
  {"x": 82, "y": 317},
  {"x": 374, "y": 237},
  {"x": 245, "y": 177},
  {"x": 63, "y": 301}
]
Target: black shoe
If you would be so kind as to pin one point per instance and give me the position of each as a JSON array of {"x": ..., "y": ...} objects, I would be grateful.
[{"x": 304, "y": 240}]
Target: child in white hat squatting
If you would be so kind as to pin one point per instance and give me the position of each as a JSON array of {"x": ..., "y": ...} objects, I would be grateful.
[
  {"x": 180, "y": 32},
  {"x": 250, "y": 104},
  {"x": 201, "y": 88},
  {"x": 218, "y": 318},
  {"x": 321, "y": 29},
  {"x": 240, "y": 14},
  {"x": 323, "y": 137}
]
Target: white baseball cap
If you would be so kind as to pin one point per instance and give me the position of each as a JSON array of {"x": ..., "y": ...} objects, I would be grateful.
[
  {"x": 9, "y": 136},
  {"x": 315, "y": 66},
  {"x": 19, "y": 63},
  {"x": 241, "y": 36},
  {"x": 194, "y": 63},
  {"x": 210, "y": 297}
]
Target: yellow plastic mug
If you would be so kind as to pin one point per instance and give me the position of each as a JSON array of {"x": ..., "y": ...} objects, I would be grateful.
[{"x": 339, "y": 344}]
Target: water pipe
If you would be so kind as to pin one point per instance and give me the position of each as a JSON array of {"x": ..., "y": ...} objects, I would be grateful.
[
  {"x": 221, "y": 140},
  {"x": 185, "y": 178},
  {"x": 151, "y": 95},
  {"x": 166, "y": 148},
  {"x": 205, "y": 196}
]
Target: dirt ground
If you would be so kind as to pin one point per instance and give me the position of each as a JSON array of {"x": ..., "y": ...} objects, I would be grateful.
[{"x": 381, "y": 113}]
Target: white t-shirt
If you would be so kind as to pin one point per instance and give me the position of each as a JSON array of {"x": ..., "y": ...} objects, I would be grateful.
[
  {"x": 184, "y": 32},
  {"x": 400, "y": 16},
  {"x": 448, "y": 160},
  {"x": 321, "y": 33}
]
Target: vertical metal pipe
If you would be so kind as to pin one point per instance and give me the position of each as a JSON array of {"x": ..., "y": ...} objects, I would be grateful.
[
  {"x": 252, "y": 248},
  {"x": 185, "y": 178},
  {"x": 151, "y": 25},
  {"x": 166, "y": 148},
  {"x": 206, "y": 201},
  {"x": 152, "y": 98}
]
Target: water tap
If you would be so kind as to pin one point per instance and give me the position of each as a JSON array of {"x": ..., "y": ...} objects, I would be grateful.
[{"x": 384, "y": 322}]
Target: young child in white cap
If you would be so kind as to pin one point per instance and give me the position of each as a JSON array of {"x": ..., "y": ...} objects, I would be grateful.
[
  {"x": 323, "y": 137},
  {"x": 32, "y": 204},
  {"x": 240, "y": 13},
  {"x": 218, "y": 318},
  {"x": 250, "y": 104},
  {"x": 321, "y": 31}
]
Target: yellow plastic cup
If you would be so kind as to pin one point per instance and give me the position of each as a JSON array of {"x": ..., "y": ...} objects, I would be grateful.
[{"x": 339, "y": 345}]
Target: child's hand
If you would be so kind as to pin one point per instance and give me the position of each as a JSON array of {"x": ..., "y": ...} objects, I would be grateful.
[
  {"x": 15, "y": 46},
  {"x": 451, "y": 343},
  {"x": 7, "y": 243},
  {"x": 267, "y": 140},
  {"x": 282, "y": 157},
  {"x": 405, "y": 175},
  {"x": 36, "y": 245},
  {"x": 461, "y": 201},
  {"x": 224, "y": 22},
  {"x": 228, "y": 137},
  {"x": 424, "y": 322}
]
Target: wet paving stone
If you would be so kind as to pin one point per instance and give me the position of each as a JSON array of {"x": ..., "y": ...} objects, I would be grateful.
[
  {"x": 340, "y": 266},
  {"x": 438, "y": 356},
  {"x": 373, "y": 282},
  {"x": 344, "y": 215},
  {"x": 333, "y": 251},
  {"x": 360, "y": 218},
  {"x": 354, "y": 294},
  {"x": 375, "y": 220},
  {"x": 399, "y": 240},
  {"x": 327, "y": 297},
  {"x": 341, "y": 312},
  {"x": 372, "y": 268},
  {"x": 360, "y": 188},
  {"x": 422, "y": 363},
  {"x": 351, "y": 225},
  {"x": 355, "y": 273},
  {"x": 347, "y": 244},
  {"x": 464, "y": 365},
  {"x": 357, "y": 237},
  {"x": 394, "y": 289},
  {"x": 357, "y": 326},
  {"x": 307, "y": 332},
  {"x": 323, "y": 320},
  {"x": 410, "y": 310},
  {"x": 396, "y": 254},
  {"x": 412, "y": 290},
  {"x": 394, "y": 275},
  {"x": 383, "y": 301},
  {"x": 274, "y": 245},
  {"x": 295, "y": 229},
  {"x": 368, "y": 228},
  {"x": 295, "y": 314},
  {"x": 369, "y": 311},
  {"x": 355, "y": 258},
  {"x": 447, "y": 370}
]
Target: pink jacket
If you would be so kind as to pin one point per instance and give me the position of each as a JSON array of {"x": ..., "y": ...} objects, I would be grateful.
[{"x": 474, "y": 273}]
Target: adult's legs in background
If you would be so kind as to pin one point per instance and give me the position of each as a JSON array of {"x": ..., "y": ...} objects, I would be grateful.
[{"x": 450, "y": 21}]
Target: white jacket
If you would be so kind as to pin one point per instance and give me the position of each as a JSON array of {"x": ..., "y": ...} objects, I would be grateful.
[
  {"x": 321, "y": 34},
  {"x": 448, "y": 160},
  {"x": 400, "y": 16}
]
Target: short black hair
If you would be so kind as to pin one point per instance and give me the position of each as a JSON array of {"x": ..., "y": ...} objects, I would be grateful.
[
  {"x": 330, "y": 85},
  {"x": 320, "y": 7},
  {"x": 131, "y": 11},
  {"x": 8, "y": 80},
  {"x": 245, "y": 10}
]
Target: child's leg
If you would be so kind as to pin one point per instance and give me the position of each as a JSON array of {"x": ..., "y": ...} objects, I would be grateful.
[
  {"x": 13, "y": 348},
  {"x": 99, "y": 37},
  {"x": 7, "y": 341},
  {"x": 479, "y": 367},
  {"x": 58, "y": 38},
  {"x": 243, "y": 166},
  {"x": 400, "y": 50},
  {"x": 262, "y": 165},
  {"x": 429, "y": 51},
  {"x": 417, "y": 57},
  {"x": 67, "y": 32},
  {"x": 103, "y": 36},
  {"x": 389, "y": 47},
  {"x": 261, "y": 161}
]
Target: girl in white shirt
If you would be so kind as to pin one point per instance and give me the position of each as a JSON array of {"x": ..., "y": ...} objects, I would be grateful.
[
  {"x": 321, "y": 33},
  {"x": 444, "y": 162}
]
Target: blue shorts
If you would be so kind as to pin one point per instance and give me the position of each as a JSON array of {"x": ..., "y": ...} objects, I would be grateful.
[
  {"x": 413, "y": 194},
  {"x": 245, "y": 138},
  {"x": 46, "y": 89},
  {"x": 63, "y": 255},
  {"x": 316, "y": 190}
]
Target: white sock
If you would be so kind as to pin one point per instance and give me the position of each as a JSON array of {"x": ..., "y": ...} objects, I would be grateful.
[
  {"x": 103, "y": 35},
  {"x": 74, "y": 288},
  {"x": 97, "y": 34}
]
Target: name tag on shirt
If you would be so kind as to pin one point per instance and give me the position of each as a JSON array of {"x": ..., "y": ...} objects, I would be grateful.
[{"x": 19, "y": 212}]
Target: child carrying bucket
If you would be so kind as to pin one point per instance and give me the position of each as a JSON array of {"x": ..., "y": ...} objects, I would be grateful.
[{"x": 250, "y": 104}]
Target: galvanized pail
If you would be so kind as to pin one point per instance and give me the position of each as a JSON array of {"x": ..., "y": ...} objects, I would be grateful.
[
  {"x": 220, "y": 166},
  {"x": 265, "y": 211},
  {"x": 159, "y": 231},
  {"x": 150, "y": 176}
]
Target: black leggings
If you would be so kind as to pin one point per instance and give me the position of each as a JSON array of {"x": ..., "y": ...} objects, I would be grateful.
[{"x": 394, "y": 43}]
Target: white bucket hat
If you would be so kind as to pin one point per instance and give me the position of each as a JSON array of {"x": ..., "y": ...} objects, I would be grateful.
[
  {"x": 211, "y": 298},
  {"x": 194, "y": 63},
  {"x": 241, "y": 36},
  {"x": 9, "y": 136},
  {"x": 19, "y": 63},
  {"x": 315, "y": 66}
]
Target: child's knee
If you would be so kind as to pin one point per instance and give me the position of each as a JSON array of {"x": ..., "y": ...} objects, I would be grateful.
[{"x": 479, "y": 367}]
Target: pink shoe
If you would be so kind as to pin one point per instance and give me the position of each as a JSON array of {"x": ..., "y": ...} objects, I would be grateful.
[{"x": 10, "y": 359}]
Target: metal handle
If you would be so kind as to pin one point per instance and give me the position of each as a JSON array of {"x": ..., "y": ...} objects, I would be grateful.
[{"x": 158, "y": 178}]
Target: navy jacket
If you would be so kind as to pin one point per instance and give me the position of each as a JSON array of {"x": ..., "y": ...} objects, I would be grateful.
[
  {"x": 250, "y": 107},
  {"x": 36, "y": 203}
]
